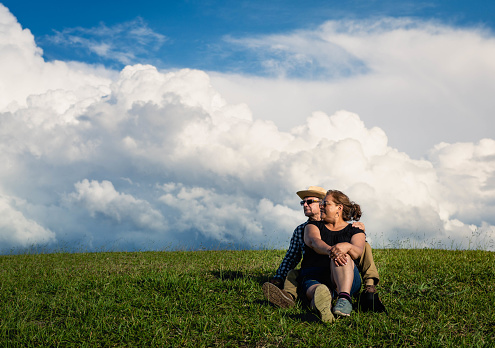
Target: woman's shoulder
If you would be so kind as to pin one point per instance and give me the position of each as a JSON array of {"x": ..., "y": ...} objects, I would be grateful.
[
  {"x": 352, "y": 230},
  {"x": 318, "y": 224}
]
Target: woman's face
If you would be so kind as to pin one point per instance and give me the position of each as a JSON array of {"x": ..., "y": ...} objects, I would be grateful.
[{"x": 329, "y": 211}]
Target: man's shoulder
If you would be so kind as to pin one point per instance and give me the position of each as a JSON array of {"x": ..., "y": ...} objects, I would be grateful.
[
  {"x": 298, "y": 231},
  {"x": 301, "y": 226}
]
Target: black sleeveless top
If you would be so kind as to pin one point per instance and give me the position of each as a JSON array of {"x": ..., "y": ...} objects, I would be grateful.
[{"x": 312, "y": 258}]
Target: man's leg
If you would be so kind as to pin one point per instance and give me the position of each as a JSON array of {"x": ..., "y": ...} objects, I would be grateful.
[
  {"x": 285, "y": 297},
  {"x": 366, "y": 266},
  {"x": 290, "y": 284},
  {"x": 369, "y": 299}
]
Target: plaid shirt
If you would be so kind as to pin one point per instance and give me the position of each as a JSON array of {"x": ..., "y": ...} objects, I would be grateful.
[{"x": 294, "y": 253}]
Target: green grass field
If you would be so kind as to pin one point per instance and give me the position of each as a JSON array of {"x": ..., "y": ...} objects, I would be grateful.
[{"x": 435, "y": 298}]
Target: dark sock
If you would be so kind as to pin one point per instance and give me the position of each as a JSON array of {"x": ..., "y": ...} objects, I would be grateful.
[{"x": 346, "y": 296}]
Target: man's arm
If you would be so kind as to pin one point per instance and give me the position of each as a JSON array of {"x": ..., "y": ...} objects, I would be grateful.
[
  {"x": 292, "y": 257},
  {"x": 359, "y": 224}
]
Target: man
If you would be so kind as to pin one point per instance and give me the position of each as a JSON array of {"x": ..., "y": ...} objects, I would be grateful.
[{"x": 281, "y": 290}]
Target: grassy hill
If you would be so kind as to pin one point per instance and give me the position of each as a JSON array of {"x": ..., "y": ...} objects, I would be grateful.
[{"x": 214, "y": 298}]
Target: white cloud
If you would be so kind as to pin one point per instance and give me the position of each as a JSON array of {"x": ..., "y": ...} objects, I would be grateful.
[
  {"x": 421, "y": 82},
  {"x": 467, "y": 172},
  {"x": 124, "y": 42},
  {"x": 102, "y": 198},
  {"x": 24, "y": 72},
  {"x": 17, "y": 230},
  {"x": 229, "y": 218},
  {"x": 223, "y": 217},
  {"x": 150, "y": 159}
]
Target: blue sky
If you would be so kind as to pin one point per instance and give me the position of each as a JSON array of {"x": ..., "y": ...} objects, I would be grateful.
[
  {"x": 194, "y": 31},
  {"x": 191, "y": 124}
]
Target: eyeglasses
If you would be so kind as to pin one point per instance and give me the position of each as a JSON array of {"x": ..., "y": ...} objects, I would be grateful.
[
  {"x": 310, "y": 201},
  {"x": 325, "y": 203}
]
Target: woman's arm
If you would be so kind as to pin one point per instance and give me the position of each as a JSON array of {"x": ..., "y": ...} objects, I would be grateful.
[
  {"x": 354, "y": 248},
  {"x": 312, "y": 238}
]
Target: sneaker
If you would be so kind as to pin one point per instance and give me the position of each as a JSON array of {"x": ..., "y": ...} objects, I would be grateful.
[
  {"x": 323, "y": 303},
  {"x": 369, "y": 301},
  {"x": 342, "y": 307},
  {"x": 278, "y": 296}
]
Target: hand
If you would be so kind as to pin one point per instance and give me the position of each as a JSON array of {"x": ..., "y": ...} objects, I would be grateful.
[
  {"x": 339, "y": 249},
  {"x": 278, "y": 282},
  {"x": 359, "y": 224},
  {"x": 341, "y": 260},
  {"x": 338, "y": 253}
]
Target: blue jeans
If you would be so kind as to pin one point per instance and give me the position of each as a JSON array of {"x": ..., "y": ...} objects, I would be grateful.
[{"x": 320, "y": 275}]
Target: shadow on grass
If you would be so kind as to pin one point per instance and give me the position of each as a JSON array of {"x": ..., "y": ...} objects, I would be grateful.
[
  {"x": 236, "y": 275},
  {"x": 307, "y": 316},
  {"x": 230, "y": 275}
]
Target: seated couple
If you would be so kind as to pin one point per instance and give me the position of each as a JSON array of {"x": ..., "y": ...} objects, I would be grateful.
[{"x": 336, "y": 256}]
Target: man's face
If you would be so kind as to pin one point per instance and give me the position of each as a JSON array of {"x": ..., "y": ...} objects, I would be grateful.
[{"x": 311, "y": 206}]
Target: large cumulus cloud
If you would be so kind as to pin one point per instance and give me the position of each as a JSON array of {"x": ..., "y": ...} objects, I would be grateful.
[
  {"x": 148, "y": 159},
  {"x": 422, "y": 82}
]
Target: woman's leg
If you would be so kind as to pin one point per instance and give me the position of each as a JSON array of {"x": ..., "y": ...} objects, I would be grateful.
[
  {"x": 321, "y": 300},
  {"x": 310, "y": 293},
  {"x": 319, "y": 296},
  {"x": 310, "y": 278},
  {"x": 342, "y": 276}
]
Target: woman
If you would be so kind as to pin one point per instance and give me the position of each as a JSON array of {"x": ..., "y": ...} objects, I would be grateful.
[{"x": 331, "y": 246}]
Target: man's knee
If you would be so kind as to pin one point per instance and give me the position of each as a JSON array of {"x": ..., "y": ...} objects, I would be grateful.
[
  {"x": 291, "y": 284},
  {"x": 292, "y": 275}
]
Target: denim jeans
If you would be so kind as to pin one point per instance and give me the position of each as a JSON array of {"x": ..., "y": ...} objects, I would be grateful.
[{"x": 320, "y": 275}]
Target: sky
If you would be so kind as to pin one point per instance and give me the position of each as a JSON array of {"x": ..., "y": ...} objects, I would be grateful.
[{"x": 164, "y": 125}]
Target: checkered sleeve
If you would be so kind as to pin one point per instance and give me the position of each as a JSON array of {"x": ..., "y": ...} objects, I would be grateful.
[{"x": 294, "y": 253}]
